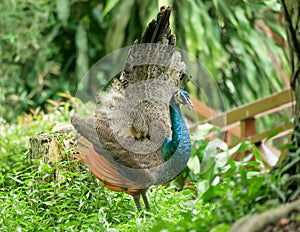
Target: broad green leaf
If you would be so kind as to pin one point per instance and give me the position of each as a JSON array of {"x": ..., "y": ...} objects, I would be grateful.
[
  {"x": 256, "y": 153},
  {"x": 194, "y": 164},
  {"x": 203, "y": 186},
  {"x": 201, "y": 131}
]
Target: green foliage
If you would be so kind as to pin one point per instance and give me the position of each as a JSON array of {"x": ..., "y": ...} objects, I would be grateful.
[
  {"x": 223, "y": 190},
  {"x": 235, "y": 41},
  {"x": 30, "y": 64},
  {"x": 47, "y": 46},
  {"x": 29, "y": 201}
]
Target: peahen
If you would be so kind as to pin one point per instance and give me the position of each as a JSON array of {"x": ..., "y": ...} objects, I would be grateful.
[{"x": 138, "y": 136}]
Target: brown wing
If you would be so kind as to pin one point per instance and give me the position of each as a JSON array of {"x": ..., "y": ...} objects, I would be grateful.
[{"x": 104, "y": 170}]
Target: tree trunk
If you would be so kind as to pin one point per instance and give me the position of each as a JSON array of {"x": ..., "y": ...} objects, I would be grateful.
[
  {"x": 291, "y": 166},
  {"x": 291, "y": 11},
  {"x": 52, "y": 148}
]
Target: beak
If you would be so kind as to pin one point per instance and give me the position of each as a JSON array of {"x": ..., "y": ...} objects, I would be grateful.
[{"x": 190, "y": 104}]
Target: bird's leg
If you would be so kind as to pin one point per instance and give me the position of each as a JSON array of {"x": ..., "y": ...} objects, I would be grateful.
[
  {"x": 137, "y": 202},
  {"x": 145, "y": 199}
]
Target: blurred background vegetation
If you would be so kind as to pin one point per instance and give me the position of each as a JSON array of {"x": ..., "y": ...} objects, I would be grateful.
[{"x": 47, "y": 46}]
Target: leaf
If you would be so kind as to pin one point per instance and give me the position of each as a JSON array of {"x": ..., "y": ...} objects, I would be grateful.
[
  {"x": 54, "y": 103},
  {"x": 82, "y": 63},
  {"x": 194, "y": 164},
  {"x": 116, "y": 32},
  {"x": 221, "y": 228},
  {"x": 63, "y": 11},
  {"x": 217, "y": 144},
  {"x": 208, "y": 172},
  {"x": 202, "y": 187},
  {"x": 65, "y": 95},
  {"x": 273, "y": 133},
  {"x": 222, "y": 159},
  {"x": 256, "y": 153},
  {"x": 278, "y": 191},
  {"x": 201, "y": 131},
  {"x": 110, "y": 4}
]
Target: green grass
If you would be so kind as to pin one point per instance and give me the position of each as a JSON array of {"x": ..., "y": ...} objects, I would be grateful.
[
  {"x": 82, "y": 204},
  {"x": 30, "y": 201}
]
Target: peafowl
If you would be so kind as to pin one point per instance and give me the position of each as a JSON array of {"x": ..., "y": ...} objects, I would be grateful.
[{"x": 138, "y": 136}]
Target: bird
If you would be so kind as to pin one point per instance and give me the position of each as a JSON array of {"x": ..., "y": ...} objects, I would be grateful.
[{"x": 138, "y": 137}]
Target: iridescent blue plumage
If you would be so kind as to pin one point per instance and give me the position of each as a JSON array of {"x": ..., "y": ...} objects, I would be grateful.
[{"x": 177, "y": 122}]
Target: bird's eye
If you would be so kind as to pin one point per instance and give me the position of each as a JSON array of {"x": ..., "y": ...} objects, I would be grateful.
[{"x": 182, "y": 76}]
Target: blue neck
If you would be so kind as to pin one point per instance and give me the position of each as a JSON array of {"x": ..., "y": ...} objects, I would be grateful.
[{"x": 171, "y": 143}]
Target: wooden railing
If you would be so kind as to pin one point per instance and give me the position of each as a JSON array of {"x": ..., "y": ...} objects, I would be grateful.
[{"x": 239, "y": 124}]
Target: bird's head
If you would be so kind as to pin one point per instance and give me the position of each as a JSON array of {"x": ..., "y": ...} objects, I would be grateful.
[{"x": 182, "y": 97}]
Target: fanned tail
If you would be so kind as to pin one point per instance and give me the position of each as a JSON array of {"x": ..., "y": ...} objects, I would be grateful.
[{"x": 159, "y": 29}]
